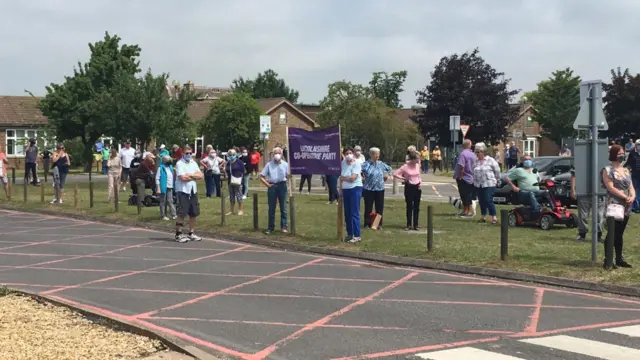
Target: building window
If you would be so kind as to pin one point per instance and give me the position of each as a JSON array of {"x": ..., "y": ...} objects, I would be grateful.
[
  {"x": 529, "y": 147},
  {"x": 283, "y": 118},
  {"x": 16, "y": 140},
  {"x": 529, "y": 121}
]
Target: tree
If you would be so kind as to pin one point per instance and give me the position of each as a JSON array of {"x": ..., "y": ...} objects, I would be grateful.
[
  {"x": 266, "y": 85},
  {"x": 78, "y": 108},
  {"x": 234, "y": 120},
  {"x": 467, "y": 86},
  {"x": 388, "y": 87},
  {"x": 622, "y": 104}
]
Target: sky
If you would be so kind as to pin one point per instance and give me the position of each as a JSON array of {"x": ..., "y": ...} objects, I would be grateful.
[{"x": 312, "y": 43}]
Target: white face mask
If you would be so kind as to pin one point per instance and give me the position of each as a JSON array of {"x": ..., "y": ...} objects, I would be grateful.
[
  {"x": 349, "y": 157},
  {"x": 277, "y": 157},
  {"x": 212, "y": 155},
  {"x": 358, "y": 153},
  {"x": 245, "y": 153}
]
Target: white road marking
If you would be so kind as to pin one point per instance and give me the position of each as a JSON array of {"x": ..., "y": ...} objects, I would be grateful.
[
  {"x": 591, "y": 348},
  {"x": 633, "y": 330},
  {"x": 465, "y": 353},
  {"x": 435, "y": 190}
]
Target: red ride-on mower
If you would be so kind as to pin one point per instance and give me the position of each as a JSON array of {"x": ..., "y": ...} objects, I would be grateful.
[{"x": 548, "y": 216}]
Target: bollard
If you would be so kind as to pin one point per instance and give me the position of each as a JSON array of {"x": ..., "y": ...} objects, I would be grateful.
[
  {"x": 504, "y": 234},
  {"x": 429, "y": 228},
  {"x": 42, "y": 193},
  {"x": 45, "y": 174},
  {"x": 115, "y": 198},
  {"x": 75, "y": 195},
  {"x": 255, "y": 211},
  {"x": 292, "y": 215},
  {"x": 25, "y": 191},
  {"x": 13, "y": 175},
  {"x": 395, "y": 186},
  {"x": 91, "y": 194},
  {"x": 10, "y": 190},
  {"x": 608, "y": 243},
  {"x": 223, "y": 206},
  {"x": 139, "y": 196}
]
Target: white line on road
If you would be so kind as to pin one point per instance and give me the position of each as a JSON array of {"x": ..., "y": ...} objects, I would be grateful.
[
  {"x": 435, "y": 190},
  {"x": 465, "y": 353},
  {"x": 591, "y": 348},
  {"x": 633, "y": 330}
]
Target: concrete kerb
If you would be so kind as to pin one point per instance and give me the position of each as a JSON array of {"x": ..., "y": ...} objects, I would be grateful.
[
  {"x": 170, "y": 342},
  {"x": 367, "y": 256}
]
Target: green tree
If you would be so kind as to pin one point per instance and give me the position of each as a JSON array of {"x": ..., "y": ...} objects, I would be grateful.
[
  {"x": 266, "y": 85},
  {"x": 79, "y": 107},
  {"x": 622, "y": 104},
  {"x": 467, "y": 86},
  {"x": 177, "y": 125},
  {"x": 234, "y": 120},
  {"x": 555, "y": 103},
  {"x": 388, "y": 87}
]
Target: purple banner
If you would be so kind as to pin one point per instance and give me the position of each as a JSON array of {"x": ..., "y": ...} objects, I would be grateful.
[{"x": 314, "y": 152}]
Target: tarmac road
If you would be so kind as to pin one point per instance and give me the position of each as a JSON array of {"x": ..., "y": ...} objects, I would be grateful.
[{"x": 254, "y": 303}]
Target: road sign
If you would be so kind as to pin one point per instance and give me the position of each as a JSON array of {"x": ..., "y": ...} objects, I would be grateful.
[
  {"x": 590, "y": 105},
  {"x": 465, "y": 130},
  {"x": 517, "y": 135},
  {"x": 454, "y": 122},
  {"x": 265, "y": 124}
]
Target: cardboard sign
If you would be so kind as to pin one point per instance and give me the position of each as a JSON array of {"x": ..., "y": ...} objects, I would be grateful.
[
  {"x": 464, "y": 129},
  {"x": 375, "y": 220}
]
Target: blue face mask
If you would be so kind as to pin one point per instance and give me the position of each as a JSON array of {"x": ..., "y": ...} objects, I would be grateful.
[
  {"x": 527, "y": 163},
  {"x": 187, "y": 157},
  {"x": 232, "y": 157}
]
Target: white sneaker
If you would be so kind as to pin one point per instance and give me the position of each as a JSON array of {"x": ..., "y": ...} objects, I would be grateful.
[
  {"x": 174, "y": 217},
  {"x": 194, "y": 237},
  {"x": 54, "y": 201},
  {"x": 244, "y": 197},
  {"x": 182, "y": 238},
  {"x": 165, "y": 218}
]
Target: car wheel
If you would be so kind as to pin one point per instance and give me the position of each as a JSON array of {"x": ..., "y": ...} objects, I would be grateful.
[
  {"x": 546, "y": 222},
  {"x": 513, "y": 219}
]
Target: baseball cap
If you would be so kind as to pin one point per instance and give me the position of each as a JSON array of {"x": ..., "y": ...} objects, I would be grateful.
[{"x": 162, "y": 147}]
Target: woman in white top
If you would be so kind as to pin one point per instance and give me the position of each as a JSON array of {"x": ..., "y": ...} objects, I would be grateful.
[
  {"x": 211, "y": 165},
  {"x": 351, "y": 181},
  {"x": 114, "y": 171},
  {"x": 486, "y": 174}
]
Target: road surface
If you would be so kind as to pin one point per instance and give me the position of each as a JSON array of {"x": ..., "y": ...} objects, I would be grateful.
[{"x": 253, "y": 303}]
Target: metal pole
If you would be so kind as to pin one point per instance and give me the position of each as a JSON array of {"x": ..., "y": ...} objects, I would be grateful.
[
  {"x": 504, "y": 234},
  {"x": 594, "y": 173},
  {"x": 429, "y": 228}
]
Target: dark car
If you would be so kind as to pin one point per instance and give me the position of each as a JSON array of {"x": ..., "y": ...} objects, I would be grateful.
[{"x": 556, "y": 167}]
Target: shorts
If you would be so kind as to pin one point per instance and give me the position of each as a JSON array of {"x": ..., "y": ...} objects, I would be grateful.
[
  {"x": 124, "y": 176},
  {"x": 4, "y": 179},
  {"x": 466, "y": 191},
  {"x": 187, "y": 205}
]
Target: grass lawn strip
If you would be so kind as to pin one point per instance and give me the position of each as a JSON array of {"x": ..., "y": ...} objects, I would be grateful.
[
  {"x": 33, "y": 330},
  {"x": 460, "y": 241}
]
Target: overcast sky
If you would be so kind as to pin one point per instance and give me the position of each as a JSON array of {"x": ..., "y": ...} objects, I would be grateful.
[{"x": 314, "y": 42}]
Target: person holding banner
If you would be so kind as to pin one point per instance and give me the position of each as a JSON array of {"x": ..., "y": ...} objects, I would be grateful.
[
  {"x": 375, "y": 173},
  {"x": 351, "y": 181},
  {"x": 274, "y": 176}
]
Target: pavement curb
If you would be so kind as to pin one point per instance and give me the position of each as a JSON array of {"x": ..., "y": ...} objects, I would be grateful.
[
  {"x": 381, "y": 258},
  {"x": 170, "y": 342}
]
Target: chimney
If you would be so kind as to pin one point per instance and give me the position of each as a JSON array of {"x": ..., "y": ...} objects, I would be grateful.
[{"x": 176, "y": 88}]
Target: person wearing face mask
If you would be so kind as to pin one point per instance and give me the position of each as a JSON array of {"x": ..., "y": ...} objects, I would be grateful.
[
  {"x": 235, "y": 170},
  {"x": 187, "y": 173},
  {"x": 351, "y": 183},
  {"x": 528, "y": 191},
  {"x": 244, "y": 157},
  {"x": 274, "y": 176},
  {"x": 410, "y": 174},
  {"x": 164, "y": 187},
  {"x": 357, "y": 155},
  {"x": 211, "y": 165}
]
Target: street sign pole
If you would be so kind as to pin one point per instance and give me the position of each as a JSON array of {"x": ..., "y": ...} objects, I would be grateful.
[{"x": 594, "y": 174}]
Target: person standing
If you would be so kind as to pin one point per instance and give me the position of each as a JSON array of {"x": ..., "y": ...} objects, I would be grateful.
[
  {"x": 106, "y": 153},
  {"x": 633, "y": 164},
  {"x": 255, "y": 162},
  {"x": 486, "y": 174},
  {"x": 235, "y": 169},
  {"x": 410, "y": 174},
  {"x": 332, "y": 188},
  {"x": 211, "y": 165},
  {"x": 114, "y": 169},
  {"x": 126, "y": 155},
  {"x": 31, "y": 162},
  {"x": 375, "y": 173},
  {"x": 187, "y": 173},
  {"x": 463, "y": 174},
  {"x": 61, "y": 162},
  {"x": 436, "y": 157},
  {"x": 46, "y": 160},
  {"x": 3, "y": 173},
  {"x": 424, "y": 158},
  {"x": 164, "y": 187},
  {"x": 246, "y": 160},
  {"x": 514, "y": 153},
  {"x": 305, "y": 178},
  {"x": 357, "y": 155},
  {"x": 620, "y": 194},
  {"x": 584, "y": 210},
  {"x": 274, "y": 176},
  {"x": 351, "y": 184}
]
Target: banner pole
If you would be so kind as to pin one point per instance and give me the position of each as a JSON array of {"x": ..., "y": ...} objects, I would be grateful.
[
  {"x": 290, "y": 180},
  {"x": 340, "y": 214}
]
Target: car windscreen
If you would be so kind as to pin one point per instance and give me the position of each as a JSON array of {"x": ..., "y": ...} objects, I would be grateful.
[{"x": 542, "y": 163}]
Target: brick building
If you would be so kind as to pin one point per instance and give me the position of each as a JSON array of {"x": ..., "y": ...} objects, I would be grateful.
[
  {"x": 526, "y": 133},
  {"x": 20, "y": 119}
]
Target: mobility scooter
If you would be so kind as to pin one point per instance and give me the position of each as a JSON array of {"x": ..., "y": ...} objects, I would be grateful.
[{"x": 548, "y": 216}]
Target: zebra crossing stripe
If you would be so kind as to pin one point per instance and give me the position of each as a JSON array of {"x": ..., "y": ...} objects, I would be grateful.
[
  {"x": 465, "y": 353},
  {"x": 632, "y": 331},
  {"x": 591, "y": 348}
]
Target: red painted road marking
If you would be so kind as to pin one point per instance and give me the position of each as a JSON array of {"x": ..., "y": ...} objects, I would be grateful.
[
  {"x": 532, "y": 324},
  {"x": 364, "y": 327}
]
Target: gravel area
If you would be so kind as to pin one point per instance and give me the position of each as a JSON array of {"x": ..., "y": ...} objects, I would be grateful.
[{"x": 33, "y": 330}]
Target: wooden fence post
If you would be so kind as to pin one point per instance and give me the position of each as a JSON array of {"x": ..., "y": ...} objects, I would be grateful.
[{"x": 75, "y": 195}]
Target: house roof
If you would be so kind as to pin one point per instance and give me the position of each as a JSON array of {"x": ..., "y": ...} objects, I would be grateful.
[
  {"x": 20, "y": 111},
  {"x": 311, "y": 110},
  {"x": 270, "y": 105},
  {"x": 202, "y": 92}
]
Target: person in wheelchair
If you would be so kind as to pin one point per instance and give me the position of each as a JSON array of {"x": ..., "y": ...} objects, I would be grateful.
[
  {"x": 524, "y": 181},
  {"x": 143, "y": 174}
]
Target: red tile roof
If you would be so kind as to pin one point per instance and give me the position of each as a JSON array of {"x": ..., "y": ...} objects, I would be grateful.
[{"x": 20, "y": 111}]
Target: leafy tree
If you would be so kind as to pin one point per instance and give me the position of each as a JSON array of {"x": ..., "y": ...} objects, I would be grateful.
[
  {"x": 266, "y": 85},
  {"x": 622, "y": 104},
  {"x": 78, "y": 108},
  {"x": 556, "y": 102},
  {"x": 388, "y": 87},
  {"x": 466, "y": 85},
  {"x": 233, "y": 120},
  {"x": 177, "y": 125}
]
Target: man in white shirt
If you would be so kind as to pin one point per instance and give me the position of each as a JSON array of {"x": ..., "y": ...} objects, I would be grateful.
[
  {"x": 187, "y": 173},
  {"x": 126, "y": 155},
  {"x": 360, "y": 159}
]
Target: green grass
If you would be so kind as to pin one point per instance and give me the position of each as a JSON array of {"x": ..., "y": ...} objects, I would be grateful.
[
  {"x": 4, "y": 291},
  {"x": 461, "y": 241}
]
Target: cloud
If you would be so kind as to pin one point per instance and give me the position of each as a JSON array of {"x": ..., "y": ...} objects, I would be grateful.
[{"x": 312, "y": 43}]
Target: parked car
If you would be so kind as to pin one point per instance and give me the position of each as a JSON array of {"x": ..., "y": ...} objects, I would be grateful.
[{"x": 556, "y": 167}]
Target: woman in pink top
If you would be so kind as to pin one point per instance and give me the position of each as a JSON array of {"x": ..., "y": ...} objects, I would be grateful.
[{"x": 410, "y": 173}]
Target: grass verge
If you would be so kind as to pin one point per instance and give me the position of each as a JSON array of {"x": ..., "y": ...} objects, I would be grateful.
[{"x": 461, "y": 241}]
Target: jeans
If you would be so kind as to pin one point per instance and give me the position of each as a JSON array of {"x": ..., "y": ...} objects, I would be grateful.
[
  {"x": 245, "y": 185},
  {"x": 584, "y": 208},
  {"x": 370, "y": 198},
  {"x": 425, "y": 166},
  {"x": 216, "y": 185},
  {"x": 306, "y": 178},
  {"x": 277, "y": 194},
  {"x": 412, "y": 195},
  {"x": 167, "y": 199},
  {"x": 332, "y": 186},
  {"x": 351, "y": 199},
  {"x": 208, "y": 183},
  {"x": 33, "y": 168},
  {"x": 531, "y": 198},
  {"x": 105, "y": 168},
  {"x": 636, "y": 203},
  {"x": 485, "y": 198}
]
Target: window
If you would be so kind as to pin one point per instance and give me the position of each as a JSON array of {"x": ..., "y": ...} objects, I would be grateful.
[
  {"x": 529, "y": 147},
  {"x": 283, "y": 118},
  {"x": 16, "y": 139},
  {"x": 529, "y": 121}
]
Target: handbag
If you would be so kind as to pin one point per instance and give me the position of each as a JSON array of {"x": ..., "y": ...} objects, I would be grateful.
[
  {"x": 615, "y": 211},
  {"x": 236, "y": 181}
]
